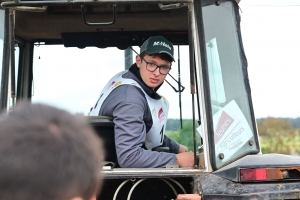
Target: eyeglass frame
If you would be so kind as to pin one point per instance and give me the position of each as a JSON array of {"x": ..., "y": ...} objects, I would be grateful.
[{"x": 159, "y": 67}]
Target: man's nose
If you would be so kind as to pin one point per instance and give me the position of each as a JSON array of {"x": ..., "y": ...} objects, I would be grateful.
[{"x": 156, "y": 71}]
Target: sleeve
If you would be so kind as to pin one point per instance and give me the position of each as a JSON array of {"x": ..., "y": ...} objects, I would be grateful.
[
  {"x": 128, "y": 106},
  {"x": 130, "y": 134},
  {"x": 172, "y": 144}
]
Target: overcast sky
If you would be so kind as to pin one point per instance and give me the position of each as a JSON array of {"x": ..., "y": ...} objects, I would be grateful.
[{"x": 270, "y": 32}]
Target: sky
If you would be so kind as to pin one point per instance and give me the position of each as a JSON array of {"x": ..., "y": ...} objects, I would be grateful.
[{"x": 270, "y": 33}]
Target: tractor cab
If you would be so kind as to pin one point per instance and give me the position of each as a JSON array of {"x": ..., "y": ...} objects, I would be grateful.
[{"x": 63, "y": 52}]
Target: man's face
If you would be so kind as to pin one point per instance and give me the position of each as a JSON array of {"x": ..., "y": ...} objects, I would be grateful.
[{"x": 155, "y": 78}]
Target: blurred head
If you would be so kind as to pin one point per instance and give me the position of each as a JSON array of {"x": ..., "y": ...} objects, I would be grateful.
[
  {"x": 155, "y": 60},
  {"x": 47, "y": 153}
]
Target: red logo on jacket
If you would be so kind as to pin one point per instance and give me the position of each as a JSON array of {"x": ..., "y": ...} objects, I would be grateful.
[{"x": 161, "y": 115}]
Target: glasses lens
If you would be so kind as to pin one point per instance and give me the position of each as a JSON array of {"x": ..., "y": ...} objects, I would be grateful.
[
  {"x": 151, "y": 66},
  {"x": 164, "y": 70}
]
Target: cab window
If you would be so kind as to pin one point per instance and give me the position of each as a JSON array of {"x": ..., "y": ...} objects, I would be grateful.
[{"x": 233, "y": 124}]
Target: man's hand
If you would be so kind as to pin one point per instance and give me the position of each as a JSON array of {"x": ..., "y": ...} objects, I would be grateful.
[
  {"x": 185, "y": 159},
  {"x": 182, "y": 149}
]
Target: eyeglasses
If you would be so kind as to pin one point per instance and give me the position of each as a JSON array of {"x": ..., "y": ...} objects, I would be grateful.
[{"x": 151, "y": 67}]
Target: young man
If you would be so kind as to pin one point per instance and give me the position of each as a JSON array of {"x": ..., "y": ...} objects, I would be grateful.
[
  {"x": 49, "y": 154},
  {"x": 139, "y": 113}
]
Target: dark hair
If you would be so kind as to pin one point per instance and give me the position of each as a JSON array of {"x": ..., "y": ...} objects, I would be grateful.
[
  {"x": 47, "y": 153},
  {"x": 162, "y": 56}
]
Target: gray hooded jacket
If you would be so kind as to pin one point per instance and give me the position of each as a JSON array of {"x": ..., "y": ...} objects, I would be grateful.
[{"x": 128, "y": 107}]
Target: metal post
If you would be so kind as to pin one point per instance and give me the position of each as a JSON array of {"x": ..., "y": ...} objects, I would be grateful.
[
  {"x": 5, "y": 64},
  {"x": 12, "y": 55},
  {"x": 128, "y": 58},
  {"x": 179, "y": 83}
]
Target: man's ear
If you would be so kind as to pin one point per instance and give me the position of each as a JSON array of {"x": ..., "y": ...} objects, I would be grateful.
[{"x": 138, "y": 61}]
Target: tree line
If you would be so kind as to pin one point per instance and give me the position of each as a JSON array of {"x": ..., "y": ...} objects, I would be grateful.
[{"x": 279, "y": 135}]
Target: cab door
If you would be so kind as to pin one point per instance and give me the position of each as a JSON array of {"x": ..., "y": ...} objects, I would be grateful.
[
  {"x": 239, "y": 170},
  {"x": 228, "y": 123}
]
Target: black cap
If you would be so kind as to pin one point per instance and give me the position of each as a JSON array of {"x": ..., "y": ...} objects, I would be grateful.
[{"x": 158, "y": 44}]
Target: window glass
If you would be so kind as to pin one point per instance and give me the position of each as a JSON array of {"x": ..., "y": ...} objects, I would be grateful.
[{"x": 232, "y": 122}]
